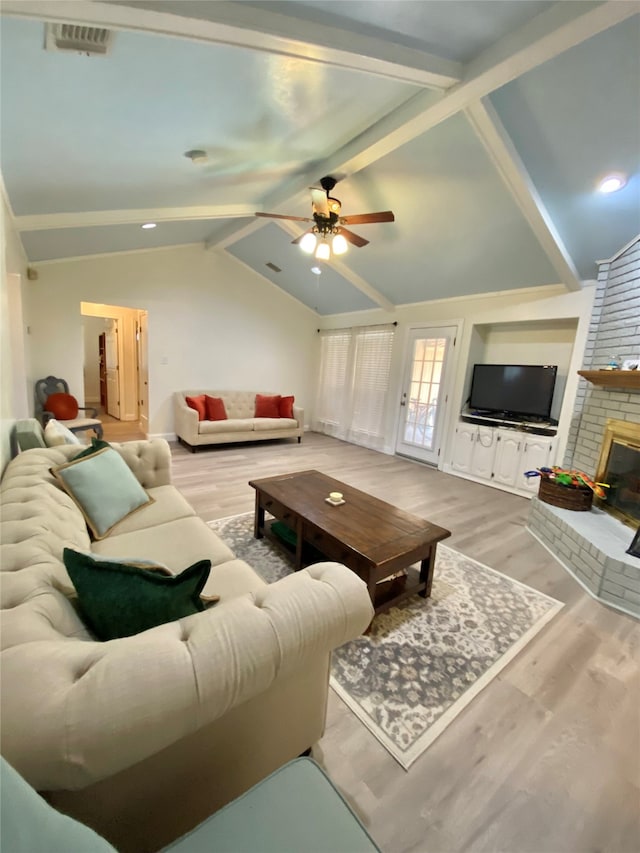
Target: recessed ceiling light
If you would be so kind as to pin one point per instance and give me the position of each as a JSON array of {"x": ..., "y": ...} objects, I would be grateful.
[
  {"x": 316, "y": 270},
  {"x": 613, "y": 182},
  {"x": 148, "y": 225}
]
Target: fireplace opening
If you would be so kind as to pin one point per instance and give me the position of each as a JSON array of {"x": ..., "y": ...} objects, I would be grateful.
[{"x": 619, "y": 467}]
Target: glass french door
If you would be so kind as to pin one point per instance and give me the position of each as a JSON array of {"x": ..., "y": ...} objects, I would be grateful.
[{"x": 424, "y": 392}]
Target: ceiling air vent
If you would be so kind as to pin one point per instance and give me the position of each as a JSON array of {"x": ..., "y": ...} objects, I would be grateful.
[
  {"x": 90, "y": 41},
  {"x": 273, "y": 267}
]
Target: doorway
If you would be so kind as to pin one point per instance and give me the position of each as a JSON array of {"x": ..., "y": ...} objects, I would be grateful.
[
  {"x": 115, "y": 358},
  {"x": 427, "y": 375}
]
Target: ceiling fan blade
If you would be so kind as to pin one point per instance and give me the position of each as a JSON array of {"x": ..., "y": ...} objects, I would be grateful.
[
  {"x": 364, "y": 218},
  {"x": 319, "y": 201},
  {"x": 284, "y": 216},
  {"x": 297, "y": 240},
  {"x": 356, "y": 239}
]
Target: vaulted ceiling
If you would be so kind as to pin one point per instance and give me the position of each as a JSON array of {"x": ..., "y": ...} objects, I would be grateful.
[{"x": 484, "y": 125}]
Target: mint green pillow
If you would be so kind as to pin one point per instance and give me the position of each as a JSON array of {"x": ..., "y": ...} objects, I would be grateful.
[
  {"x": 103, "y": 487},
  {"x": 119, "y": 599}
]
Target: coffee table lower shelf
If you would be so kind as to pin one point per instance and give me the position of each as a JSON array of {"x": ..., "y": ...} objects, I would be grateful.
[{"x": 388, "y": 592}]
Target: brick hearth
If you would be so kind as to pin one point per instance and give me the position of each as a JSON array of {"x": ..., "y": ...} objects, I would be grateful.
[{"x": 591, "y": 546}]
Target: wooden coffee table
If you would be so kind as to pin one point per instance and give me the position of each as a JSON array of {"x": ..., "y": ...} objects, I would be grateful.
[{"x": 373, "y": 538}]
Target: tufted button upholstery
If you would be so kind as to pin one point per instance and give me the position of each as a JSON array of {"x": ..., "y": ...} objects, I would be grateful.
[{"x": 76, "y": 711}]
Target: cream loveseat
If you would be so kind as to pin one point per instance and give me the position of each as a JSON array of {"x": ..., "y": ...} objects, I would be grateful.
[
  {"x": 143, "y": 737},
  {"x": 240, "y": 425}
]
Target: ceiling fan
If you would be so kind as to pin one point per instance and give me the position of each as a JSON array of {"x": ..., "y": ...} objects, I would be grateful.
[{"x": 328, "y": 233}]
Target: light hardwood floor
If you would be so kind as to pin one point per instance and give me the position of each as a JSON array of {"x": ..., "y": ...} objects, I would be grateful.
[{"x": 547, "y": 758}]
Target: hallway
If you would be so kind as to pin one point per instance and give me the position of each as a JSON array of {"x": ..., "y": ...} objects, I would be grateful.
[{"x": 115, "y": 430}]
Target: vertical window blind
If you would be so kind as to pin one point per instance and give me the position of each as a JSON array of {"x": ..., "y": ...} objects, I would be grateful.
[{"x": 355, "y": 365}]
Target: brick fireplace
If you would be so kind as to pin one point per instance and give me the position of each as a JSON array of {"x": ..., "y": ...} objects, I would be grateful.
[
  {"x": 619, "y": 468},
  {"x": 592, "y": 545}
]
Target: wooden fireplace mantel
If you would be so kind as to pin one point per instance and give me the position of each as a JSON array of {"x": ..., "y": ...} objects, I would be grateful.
[{"x": 613, "y": 378}]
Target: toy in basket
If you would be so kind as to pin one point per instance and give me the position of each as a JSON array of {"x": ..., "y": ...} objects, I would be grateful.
[{"x": 567, "y": 489}]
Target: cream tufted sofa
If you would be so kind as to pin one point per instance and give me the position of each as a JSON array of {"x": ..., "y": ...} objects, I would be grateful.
[
  {"x": 144, "y": 736},
  {"x": 240, "y": 424}
]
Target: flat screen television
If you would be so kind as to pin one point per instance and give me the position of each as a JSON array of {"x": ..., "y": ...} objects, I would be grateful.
[{"x": 520, "y": 391}]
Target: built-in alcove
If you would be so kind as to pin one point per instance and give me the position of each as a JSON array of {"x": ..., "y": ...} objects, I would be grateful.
[{"x": 548, "y": 341}]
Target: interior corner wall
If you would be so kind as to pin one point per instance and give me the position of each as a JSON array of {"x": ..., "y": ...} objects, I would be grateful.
[
  {"x": 13, "y": 369},
  {"x": 212, "y": 323}
]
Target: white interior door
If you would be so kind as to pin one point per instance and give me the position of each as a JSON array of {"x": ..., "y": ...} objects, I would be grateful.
[
  {"x": 112, "y": 370},
  {"x": 425, "y": 392},
  {"x": 143, "y": 373}
]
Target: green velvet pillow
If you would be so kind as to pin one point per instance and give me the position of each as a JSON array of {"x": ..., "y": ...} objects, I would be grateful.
[
  {"x": 119, "y": 599},
  {"x": 103, "y": 487},
  {"x": 96, "y": 445}
]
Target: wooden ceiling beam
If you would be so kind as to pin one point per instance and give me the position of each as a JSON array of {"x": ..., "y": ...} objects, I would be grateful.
[
  {"x": 505, "y": 158},
  {"x": 95, "y": 218},
  {"x": 255, "y": 29},
  {"x": 549, "y": 34}
]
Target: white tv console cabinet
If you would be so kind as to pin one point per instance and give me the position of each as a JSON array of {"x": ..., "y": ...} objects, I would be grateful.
[{"x": 498, "y": 453}]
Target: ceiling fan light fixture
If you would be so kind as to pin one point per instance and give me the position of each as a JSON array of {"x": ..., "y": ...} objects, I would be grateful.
[
  {"x": 323, "y": 252},
  {"x": 308, "y": 242},
  {"x": 339, "y": 245}
]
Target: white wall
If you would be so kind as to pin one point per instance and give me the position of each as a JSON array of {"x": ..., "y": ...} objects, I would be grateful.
[
  {"x": 13, "y": 387},
  {"x": 212, "y": 324},
  {"x": 526, "y": 306}
]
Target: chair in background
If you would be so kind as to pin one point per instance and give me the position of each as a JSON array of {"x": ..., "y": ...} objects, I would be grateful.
[{"x": 53, "y": 400}]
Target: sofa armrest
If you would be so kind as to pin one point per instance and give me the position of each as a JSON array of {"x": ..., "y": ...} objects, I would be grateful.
[
  {"x": 298, "y": 414},
  {"x": 150, "y": 460},
  {"x": 103, "y": 707},
  {"x": 185, "y": 419}
]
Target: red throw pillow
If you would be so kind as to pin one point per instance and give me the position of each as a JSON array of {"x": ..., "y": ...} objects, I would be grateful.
[
  {"x": 215, "y": 408},
  {"x": 198, "y": 403},
  {"x": 286, "y": 407},
  {"x": 63, "y": 407},
  {"x": 267, "y": 406}
]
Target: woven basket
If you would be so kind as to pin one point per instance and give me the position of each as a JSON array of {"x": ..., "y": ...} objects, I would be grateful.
[{"x": 577, "y": 498}]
